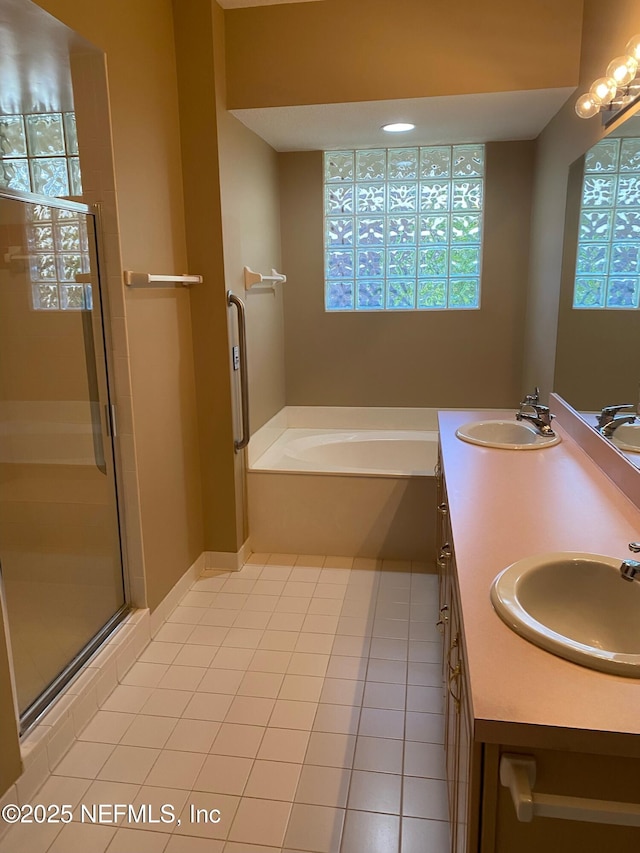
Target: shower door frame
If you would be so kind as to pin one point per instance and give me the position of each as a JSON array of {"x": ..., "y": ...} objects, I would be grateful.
[{"x": 36, "y": 709}]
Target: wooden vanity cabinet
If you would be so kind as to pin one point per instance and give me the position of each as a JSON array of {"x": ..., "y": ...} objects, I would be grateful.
[
  {"x": 461, "y": 756},
  {"x": 482, "y": 816}
]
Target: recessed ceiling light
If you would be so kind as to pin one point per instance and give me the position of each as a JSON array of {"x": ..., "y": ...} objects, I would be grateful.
[{"x": 398, "y": 127}]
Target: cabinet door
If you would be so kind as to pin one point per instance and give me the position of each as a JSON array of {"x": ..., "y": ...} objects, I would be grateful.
[
  {"x": 461, "y": 756},
  {"x": 463, "y": 774},
  {"x": 453, "y": 666},
  {"x": 443, "y": 561},
  {"x": 460, "y": 750},
  {"x": 442, "y": 536},
  {"x": 452, "y": 735}
]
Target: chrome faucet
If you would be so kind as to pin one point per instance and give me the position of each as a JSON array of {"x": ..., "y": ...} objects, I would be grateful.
[
  {"x": 540, "y": 417},
  {"x": 630, "y": 569},
  {"x": 610, "y": 419}
]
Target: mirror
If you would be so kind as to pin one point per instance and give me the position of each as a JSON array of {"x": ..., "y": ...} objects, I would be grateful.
[{"x": 598, "y": 349}]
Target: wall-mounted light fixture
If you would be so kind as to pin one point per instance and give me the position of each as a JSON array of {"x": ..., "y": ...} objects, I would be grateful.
[{"x": 619, "y": 87}]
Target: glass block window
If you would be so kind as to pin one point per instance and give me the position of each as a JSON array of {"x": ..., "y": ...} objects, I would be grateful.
[
  {"x": 403, "y": 228},
  {"x": 608, "y": 254},
  {"x": 58, "y": 259},
  {"x": 39, "y": 154}
]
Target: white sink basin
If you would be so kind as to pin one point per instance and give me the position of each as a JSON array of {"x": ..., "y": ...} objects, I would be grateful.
[
  {"x": 575, "y": 605},
  {"x": 510, "y": 435},
  {"x": 627, "y": 437}
]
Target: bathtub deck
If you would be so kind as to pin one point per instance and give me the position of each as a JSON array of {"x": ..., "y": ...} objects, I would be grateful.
[{"x": 389, "y": 453}]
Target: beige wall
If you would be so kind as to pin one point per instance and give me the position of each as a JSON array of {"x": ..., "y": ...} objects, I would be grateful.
[
  {"x": 419, "y": 358},
  {"x": 333, "y": 52},
  {"x": 251, "y": 210},
  {"x": 565, "y": 139},
  {"x": 199, "y": 39},
  {"x": 138, "y": 41},
  {"x": 231, "y": 180}
]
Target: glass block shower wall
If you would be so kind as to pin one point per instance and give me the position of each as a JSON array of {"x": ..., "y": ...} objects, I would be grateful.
[
  {"x": 403, "y": 228},
  {"x": 608, "y": 255},
  {"x": 59, "y": 259},
  {"x": 39, "y": 154}
]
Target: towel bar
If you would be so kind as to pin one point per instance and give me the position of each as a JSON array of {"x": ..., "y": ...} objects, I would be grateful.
[
  {"x": 518, "y": 774},
  {"x": 145, "y": 279}
]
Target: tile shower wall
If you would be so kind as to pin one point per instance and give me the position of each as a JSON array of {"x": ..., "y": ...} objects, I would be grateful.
[{"x": 300, "y": 696}]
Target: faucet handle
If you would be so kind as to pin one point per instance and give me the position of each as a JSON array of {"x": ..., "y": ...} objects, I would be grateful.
[
  {"x": 629, "y": 570},
  {"x": 531, "y": 399},
  {"x": 613, "y": 410},
  {"x": 543, "y": 411},
  {"x": 608, "y": 413},
  {"x": 635, "y": 547}
]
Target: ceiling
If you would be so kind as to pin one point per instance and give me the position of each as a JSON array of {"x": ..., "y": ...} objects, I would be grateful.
[{"x": 461, "y": 118}]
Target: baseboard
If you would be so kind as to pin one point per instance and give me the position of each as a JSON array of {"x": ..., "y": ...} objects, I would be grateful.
[
  {"x": 175, "y": 594},
  {"x": 229, "y": 561}
]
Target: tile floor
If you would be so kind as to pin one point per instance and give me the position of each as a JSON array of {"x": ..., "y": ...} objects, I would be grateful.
[{"x": 300, "y": 697}]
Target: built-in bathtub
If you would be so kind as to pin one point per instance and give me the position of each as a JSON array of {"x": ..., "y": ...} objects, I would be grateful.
[{"x": 345, "y": 481}]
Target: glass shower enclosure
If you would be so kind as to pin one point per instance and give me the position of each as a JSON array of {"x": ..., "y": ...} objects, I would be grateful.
[{"x": 60, "y": 548}]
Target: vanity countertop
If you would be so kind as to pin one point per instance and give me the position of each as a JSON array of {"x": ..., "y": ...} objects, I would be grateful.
[{"x": 505, "y": 505}]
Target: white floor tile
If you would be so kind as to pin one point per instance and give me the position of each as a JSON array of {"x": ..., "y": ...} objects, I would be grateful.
[
  {"x": 129, "y": 764},
  {"x": 175, "y": 769},
  {"x": 235, "y": 739},
  {"x": 166, "y": 703},
  {"x": 274, "y": 696},
  {"x": 148, "y": 731},
  {"x": 107, "y": 727},
  {"x": 84, "y": 759},
  {"x": 83, "y": 838},
  {"x": 138, "y": 840},
  {"x": 208, "y": 706},
  {"x": 193, "y": 735}
]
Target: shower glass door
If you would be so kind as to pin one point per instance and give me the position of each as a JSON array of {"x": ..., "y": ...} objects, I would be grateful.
[{"x": 61, "y": 562}]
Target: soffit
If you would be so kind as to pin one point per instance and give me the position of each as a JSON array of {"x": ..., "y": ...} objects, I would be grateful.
[
  {"x": 34, "y": 59},
  {"x": 494, "y": 116}
]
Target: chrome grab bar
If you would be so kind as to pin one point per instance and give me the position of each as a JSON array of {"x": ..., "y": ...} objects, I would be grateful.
[{"x": 234, "y": 300}]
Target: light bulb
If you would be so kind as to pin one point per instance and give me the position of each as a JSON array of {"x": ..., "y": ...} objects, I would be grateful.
[
  {"x": 623, "y": 69},
  {"x": 585, "y": 106},
  {"x": 603, "y": 90},
  {"x": 633, "y": 47}
]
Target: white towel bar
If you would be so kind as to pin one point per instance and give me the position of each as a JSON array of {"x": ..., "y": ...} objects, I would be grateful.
[
  {"x": 518, "y": 774},
  {"x": 251, "y": 278},
  {"x": 145, "y": 279}
]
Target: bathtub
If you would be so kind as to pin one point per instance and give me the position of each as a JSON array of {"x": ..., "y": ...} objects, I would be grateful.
[{"x": 344, "y": 481}]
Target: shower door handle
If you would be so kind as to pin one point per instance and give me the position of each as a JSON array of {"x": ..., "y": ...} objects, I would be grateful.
[
  {"x": 235, "y": 301},
  {"x": 88, "y": 332}
]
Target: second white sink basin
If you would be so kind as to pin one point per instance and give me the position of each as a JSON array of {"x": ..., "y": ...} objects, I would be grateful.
[
  {"x": 575, "y": 605},
  {"x": 510, "y": 435},
  {"x": 627, "y": 437}
]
